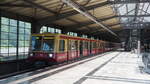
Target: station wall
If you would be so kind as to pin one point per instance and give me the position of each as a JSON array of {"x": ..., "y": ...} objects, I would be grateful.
[{"x": 14, "y": 39}]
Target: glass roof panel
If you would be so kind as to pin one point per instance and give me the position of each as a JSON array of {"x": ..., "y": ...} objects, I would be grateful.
[
  {"x": 146, "y": 19},
  {"x": 124, "y": 20},
  {"x": 122, "y": 10},
  {"x": 131, "y": 13},
  {"x": 145, "y": 6},
  {"x": 131, "y": 7},
  {"x": 148, "y": 11}
]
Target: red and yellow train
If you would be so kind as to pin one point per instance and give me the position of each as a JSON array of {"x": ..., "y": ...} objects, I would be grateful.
[{"x": 57, "y": 48}]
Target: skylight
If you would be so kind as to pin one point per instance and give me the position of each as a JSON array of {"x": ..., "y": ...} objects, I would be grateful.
[{"x": 132, "y": 12}]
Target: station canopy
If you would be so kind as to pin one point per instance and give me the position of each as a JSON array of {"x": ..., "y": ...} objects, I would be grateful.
[{"x": 114, "y": 14}]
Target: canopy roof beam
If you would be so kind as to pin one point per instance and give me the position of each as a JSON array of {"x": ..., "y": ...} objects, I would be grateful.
[
  {"x": 101, "y": 20},
  {"x": 84, "y": 12},
  {"x": 15, "y": 5},
  {"x": 39, "y": 6},
  {"x": 50, "y": 19}
]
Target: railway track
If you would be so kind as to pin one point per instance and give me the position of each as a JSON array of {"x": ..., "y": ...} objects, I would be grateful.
[{"x": 48, "y": 67}]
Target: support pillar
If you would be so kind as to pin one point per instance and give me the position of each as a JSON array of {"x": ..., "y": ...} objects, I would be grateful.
[
  {"x": 35, "y": 27},
  {"x": 139, "y": 48},
  {"x": 64, "y": 32},
  {"x": 139, "y": 43}
]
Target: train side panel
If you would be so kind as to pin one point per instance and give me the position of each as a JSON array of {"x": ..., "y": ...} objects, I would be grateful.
[
  {"x": 61, "y": 54},
  {"x": 73, "y": 50}
]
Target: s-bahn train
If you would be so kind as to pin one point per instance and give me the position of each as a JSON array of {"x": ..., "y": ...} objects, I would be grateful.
[{"x": 57, "y": 48}]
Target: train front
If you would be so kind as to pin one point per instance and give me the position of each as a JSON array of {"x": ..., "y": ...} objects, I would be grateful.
[{"x": 42, "y": 49}]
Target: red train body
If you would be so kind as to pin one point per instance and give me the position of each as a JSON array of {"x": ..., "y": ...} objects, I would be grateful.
[{"x": 57, "y": 48}]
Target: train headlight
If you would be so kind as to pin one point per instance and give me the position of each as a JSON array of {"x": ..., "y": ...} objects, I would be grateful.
[
  {"x": 31, "y": 54},
  {"x": 50, "y": 55}
]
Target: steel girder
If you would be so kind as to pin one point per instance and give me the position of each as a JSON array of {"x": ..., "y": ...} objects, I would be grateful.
[
  {"x": 103, "y": 19},
  {"x": 51, "y": 19},
  {"x": 15, "y": 5}
]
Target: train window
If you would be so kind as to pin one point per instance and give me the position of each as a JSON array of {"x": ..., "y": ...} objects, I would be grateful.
[
  {"x": 69, "y": 45},
  {"x": 36, "y": 43},
  {"x": 76, "y": 44},
  {"x": 97, "y": 45},
  {"x": 48, "y": 45},
  {"x": 85, "y": 45},
  {"x": 62, "y": 45},
  {"x": 73, "y": 46},
  {"x": 94, "y": 44},
  {"x": 100, "y": 45}
]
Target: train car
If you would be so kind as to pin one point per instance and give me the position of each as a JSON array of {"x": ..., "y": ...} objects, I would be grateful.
[
  {"x": 100, "y": 47},
  {"x": 57, "y": 48}
]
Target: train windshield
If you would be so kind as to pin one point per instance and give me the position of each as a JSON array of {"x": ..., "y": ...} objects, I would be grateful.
[
  {"x": 40, "y": 43},
  {"x": 36, "y": 43},
  {"x": 48, "y": 44}
]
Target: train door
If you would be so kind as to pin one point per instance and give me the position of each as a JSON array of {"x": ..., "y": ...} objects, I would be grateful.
[
  {"x": 62, "y": 50},
  {"x": 76, "y": 44},
  {"x": 81, "y": 48},
  {"x": 73, "y": 49},
  {"x": 90, "y": 47},
  {"x": 103, "y": 46},
  {"x": 100, "y": 47},
  {"x": 68, "y": 49}
]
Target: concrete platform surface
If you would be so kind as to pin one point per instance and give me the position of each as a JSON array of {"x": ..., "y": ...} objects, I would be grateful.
[{"x": 109, "y": 68}]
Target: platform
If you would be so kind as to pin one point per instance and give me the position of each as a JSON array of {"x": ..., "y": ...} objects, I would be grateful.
[{"x": 108, "y": 68}]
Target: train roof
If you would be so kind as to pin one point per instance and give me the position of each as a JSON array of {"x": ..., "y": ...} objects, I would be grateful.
[{"x": 65, "y": 36}]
